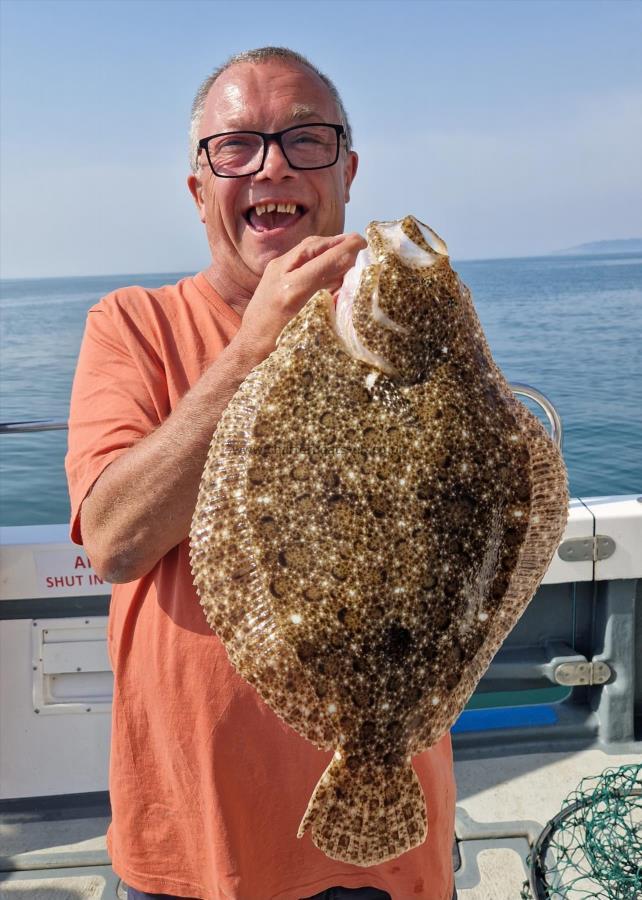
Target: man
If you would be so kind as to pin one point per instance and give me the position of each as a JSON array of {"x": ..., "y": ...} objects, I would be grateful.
[{"x": 207, "y": 785}]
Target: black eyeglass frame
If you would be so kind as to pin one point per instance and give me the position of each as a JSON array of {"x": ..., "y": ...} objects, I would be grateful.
[{"x": 277, "y": 136}]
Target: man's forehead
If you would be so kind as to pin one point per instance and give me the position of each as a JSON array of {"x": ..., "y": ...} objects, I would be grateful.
[
  {"x": 296, "y": 112},
  {"x": 245, "y": 92}
]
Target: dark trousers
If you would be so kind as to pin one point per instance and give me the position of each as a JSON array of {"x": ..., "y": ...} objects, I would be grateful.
[{"x": 333, "y": 893}]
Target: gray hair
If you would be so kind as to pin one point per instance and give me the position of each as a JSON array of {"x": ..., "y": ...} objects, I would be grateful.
[{"x": 260, "y": 55}]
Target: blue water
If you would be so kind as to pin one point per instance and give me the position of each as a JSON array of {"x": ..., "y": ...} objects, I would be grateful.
[{"x": 570, "y": 326}]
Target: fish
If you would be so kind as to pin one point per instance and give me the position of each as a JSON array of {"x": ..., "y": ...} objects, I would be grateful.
[{"x": 375, "y": 513}]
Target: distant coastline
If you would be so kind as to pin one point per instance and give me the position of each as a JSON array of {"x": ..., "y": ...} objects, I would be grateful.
[{"x": 624, "y": 245}]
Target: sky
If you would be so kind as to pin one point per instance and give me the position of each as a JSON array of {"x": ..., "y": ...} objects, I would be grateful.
[{"x": 512, "y": 127}]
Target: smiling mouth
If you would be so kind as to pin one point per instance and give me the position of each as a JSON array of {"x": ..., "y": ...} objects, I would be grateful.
[{"x": 270, "y": 216}]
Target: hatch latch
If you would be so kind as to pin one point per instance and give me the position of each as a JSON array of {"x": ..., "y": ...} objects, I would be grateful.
[
  {"x": 573, "y": 674},
  {"x": 587, "y": 549}
]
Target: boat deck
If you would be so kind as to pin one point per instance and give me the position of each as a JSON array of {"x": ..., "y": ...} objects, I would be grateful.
[{"x": 503, "y": 805}]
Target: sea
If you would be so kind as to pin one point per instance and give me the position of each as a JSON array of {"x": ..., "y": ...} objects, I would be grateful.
[{"x": 571, "y": 326}]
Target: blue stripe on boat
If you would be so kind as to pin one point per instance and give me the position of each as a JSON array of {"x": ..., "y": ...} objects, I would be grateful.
[{"x": 505, "y": 717}]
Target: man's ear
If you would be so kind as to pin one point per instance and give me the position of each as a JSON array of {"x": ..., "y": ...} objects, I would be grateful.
[
  {"x": 196, "y": 190},
  {"x": 349, "y": 171}
]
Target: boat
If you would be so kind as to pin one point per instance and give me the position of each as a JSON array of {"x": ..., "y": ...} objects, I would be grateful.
[{"x": 561, "y": 700}]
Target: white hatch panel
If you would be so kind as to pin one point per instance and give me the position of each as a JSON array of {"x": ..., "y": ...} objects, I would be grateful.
[
  {"x": 55, "y": 698},
  {"x": 71, "y": 671}
]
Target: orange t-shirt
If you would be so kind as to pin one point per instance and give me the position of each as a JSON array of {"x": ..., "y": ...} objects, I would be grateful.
[{"x": 208, "y": 785}]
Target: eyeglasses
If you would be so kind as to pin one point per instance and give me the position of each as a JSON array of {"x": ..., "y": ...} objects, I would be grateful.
[{"x": 232, "y": 154}]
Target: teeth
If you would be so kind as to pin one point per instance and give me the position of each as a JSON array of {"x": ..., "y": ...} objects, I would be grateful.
[{"x": 275, "y": 207}]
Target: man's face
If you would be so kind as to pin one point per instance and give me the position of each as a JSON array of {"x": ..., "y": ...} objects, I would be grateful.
[{"x": 268, "y": 97}]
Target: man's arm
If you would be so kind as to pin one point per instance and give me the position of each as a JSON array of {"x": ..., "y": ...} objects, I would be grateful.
[{"x": 142, "y": 504}]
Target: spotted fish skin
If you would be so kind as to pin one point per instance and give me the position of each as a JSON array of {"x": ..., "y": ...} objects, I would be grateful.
[{"x": 376, "y": 511}]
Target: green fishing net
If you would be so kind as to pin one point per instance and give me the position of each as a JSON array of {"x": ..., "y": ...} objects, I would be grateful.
[{"x": 593, "y": 847}]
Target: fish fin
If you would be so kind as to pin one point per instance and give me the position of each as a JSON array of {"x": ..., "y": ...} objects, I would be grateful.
[
  {"x": 228, "y": 577},
  {"x": 549, "y": 506},
  {"x": 367, "y": 816}
]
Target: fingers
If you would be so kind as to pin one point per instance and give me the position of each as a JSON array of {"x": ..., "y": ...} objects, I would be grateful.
[
  {"x": 329, "y": 268},
  {"x": 326, "y": 264},
  {"x": 313, "y": 247}
]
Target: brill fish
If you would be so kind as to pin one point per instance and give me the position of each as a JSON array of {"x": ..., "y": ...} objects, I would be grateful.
[{"x": 376, "y": 511}]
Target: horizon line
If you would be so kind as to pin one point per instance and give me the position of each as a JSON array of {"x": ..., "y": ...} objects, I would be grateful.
[{"x": 566, "y": 252}]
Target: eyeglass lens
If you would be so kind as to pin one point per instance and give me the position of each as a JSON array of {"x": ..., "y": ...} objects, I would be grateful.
[{"x": 241, "y": 152}]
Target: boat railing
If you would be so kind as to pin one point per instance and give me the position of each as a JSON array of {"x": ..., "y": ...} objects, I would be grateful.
[
  {"x": 519, "y": 389},
  {"x": 30, "y": 425},
  {"x": 526, "y": 390}
]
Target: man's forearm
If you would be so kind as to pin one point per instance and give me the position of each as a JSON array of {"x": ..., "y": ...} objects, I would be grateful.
[{"x": 141, "y": 505}]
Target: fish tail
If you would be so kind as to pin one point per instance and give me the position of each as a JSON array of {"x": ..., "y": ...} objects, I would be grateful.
[{"x": 367, "y": 815}]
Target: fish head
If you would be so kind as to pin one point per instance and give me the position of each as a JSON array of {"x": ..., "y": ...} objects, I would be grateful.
[{"x": 400, "y": 302}]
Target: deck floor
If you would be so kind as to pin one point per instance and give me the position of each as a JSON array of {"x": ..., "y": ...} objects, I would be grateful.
[{"x": 503, "y": 804}]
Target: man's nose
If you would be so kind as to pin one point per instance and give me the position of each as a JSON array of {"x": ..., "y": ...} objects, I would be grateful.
[{"x": 275, "y": 164}]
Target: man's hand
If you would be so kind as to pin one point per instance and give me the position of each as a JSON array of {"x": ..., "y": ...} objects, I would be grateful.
[{"x": 288, "y": 283}]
